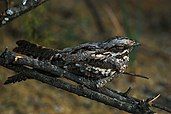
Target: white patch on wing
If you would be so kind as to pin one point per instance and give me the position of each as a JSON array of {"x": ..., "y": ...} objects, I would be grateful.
[
  {"x": 126, "y": 58},
  {"x": 104, "y": 72},
  {"x": 93, "y": 55},
  {"x": 116, "y": 54},
  {"x": 112, "y": 73},
  {"x": 100, "y": 55}
]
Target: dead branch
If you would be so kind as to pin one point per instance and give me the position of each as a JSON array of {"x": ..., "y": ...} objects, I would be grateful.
[
  {"x": 9, "y": 60},
  {"x": 29, "y": 67},
  {"x": 16, "y": 11},
  {"x": 79, "y": 90}
]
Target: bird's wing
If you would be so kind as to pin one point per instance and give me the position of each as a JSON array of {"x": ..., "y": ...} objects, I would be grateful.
[
  {"x": 85, "y": 46},
  {"x": 34, "y": 50}
]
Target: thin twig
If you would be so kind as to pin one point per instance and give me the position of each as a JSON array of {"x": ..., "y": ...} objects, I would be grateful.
[
  {"x": 16, "y": 11},
  {"x": 135, "y": 75},
  {"x": 151, "y": 100}
]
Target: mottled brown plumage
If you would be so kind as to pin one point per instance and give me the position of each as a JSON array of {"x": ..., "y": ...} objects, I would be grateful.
[{"x": 98, "y": 61}]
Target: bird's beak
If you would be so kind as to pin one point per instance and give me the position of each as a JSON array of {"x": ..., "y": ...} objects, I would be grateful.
[{"x": 137, "y": 44}]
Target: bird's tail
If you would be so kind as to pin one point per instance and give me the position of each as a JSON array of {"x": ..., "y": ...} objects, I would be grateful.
[{"x": 34, "y": 50}]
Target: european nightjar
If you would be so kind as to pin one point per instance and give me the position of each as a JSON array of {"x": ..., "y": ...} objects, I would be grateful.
[{"x": 98, "y": 61}]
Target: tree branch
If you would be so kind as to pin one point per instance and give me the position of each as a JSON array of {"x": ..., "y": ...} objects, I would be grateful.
[
  {"x": 16, "y": 11},
  {"x": 79, "y": 90},
  {"x": 30, "y": 68}
]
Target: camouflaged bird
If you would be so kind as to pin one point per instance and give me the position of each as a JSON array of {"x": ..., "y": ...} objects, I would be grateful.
[{"x": 98, "y": 61}]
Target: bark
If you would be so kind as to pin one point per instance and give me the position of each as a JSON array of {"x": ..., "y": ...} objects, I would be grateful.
[{"x": 33, "y": 68}]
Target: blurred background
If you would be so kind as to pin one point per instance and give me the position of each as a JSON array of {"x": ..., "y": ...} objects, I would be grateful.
[{"x": 65, "y": 23}]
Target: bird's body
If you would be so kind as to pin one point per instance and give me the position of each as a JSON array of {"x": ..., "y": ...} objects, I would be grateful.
[
  {"x": 98, "y": 61},
  {"x": 91, "y": 58}
]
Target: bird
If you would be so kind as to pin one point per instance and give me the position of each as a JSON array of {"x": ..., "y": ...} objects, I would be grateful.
[
  {"x": 3, "y": 6},
  {"x": 98, "y": 61}
]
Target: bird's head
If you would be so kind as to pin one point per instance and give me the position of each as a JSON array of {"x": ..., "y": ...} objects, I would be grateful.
[{"x": 119, "y": 44}]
